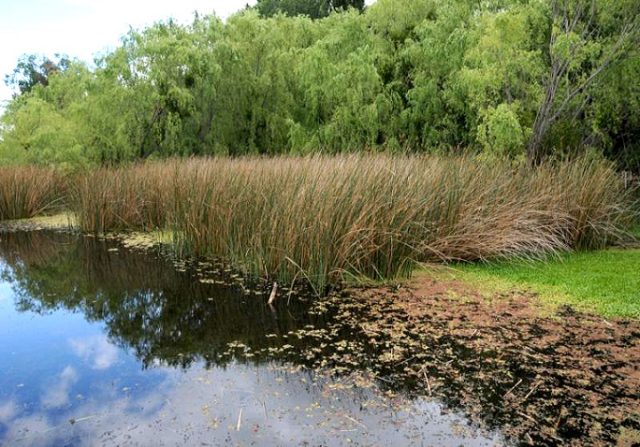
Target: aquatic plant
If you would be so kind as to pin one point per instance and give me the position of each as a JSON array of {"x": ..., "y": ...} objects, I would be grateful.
[
  {"x": 133, "y": 197},
  {"x": 27, "y": 191},
  {"x": 321, "y": 218}
]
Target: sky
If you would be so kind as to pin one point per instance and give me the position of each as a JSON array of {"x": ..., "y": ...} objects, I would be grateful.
[{"x": 84, "y": 28}]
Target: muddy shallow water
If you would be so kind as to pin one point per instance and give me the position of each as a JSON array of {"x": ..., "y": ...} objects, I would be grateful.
[
  {"x": 561, "y": 379},
  {"x": 100, "y": 345}
]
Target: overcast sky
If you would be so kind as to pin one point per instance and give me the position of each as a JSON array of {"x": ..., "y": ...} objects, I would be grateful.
[{"x": 82, "y": 28}]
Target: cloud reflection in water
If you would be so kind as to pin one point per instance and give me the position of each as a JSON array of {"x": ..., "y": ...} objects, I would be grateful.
[
  {"x": 87, "y": 347},
  {"x": 279, "y": 407}
]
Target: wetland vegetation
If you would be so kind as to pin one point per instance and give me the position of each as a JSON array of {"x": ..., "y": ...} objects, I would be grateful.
[
  {"x": 323, "y": 219},
  {"x": 412, "y": 221}
]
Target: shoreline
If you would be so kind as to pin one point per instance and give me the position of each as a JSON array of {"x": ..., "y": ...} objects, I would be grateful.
[{"x": 501, "y": 357}]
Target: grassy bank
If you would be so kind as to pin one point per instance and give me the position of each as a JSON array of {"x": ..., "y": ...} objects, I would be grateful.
[
  {"x": 606, "y": 282},
  {"x": 321, "y": 218}
]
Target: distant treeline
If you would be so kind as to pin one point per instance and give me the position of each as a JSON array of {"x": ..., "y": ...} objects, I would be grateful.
[{"x": 516, "y": 78}]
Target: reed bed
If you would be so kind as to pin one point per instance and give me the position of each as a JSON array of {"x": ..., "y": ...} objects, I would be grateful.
[
  {"x": 137, "y": 197},
  {"x": 28, "y": 191},
  {"x": 320, "y": 218}
]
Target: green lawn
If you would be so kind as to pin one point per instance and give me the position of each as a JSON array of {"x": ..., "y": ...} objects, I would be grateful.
[{"x": 606, "y": 282}]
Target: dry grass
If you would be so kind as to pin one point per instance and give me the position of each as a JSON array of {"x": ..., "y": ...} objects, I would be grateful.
[
  {"x": 28, "y": 191},
  {"x": 322, "y": 217}
]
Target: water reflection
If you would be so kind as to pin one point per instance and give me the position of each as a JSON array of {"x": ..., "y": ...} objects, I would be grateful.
[
  {"x": 104, "y": 346},
  {"x": 165, "y": 315}
]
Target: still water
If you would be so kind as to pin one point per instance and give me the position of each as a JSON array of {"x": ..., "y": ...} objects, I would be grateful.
[{"x": 100, "y": 345}]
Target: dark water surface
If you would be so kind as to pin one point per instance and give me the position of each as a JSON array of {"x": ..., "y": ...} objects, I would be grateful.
[{"x": 100, "y": 345}]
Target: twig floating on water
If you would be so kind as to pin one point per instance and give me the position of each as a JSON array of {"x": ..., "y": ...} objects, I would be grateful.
[
  {"x": 356, "y": 421},
  {"x": 274, "y": 290},
  {"x": 535, "y": 387},
  {"x": 512, "y": 388},
  {"x": 426, "y": 377},
  {"x": 239, "y": 420}
]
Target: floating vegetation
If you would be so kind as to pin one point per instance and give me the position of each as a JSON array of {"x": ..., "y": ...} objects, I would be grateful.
[
  {"x": 567, "y": 379},
  {"x": 60, "y": 222}
]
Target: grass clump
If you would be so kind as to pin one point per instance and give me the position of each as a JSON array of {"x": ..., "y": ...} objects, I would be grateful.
[
  {"x": 137, "y": 197},
  {"x": 606, "y": 282},
  {"x": 317, "y": 218},
  {"x": 28, "y": 191}
]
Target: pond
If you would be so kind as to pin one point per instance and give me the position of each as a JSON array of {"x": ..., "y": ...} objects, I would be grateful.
[{"x": 102, "y": 345}]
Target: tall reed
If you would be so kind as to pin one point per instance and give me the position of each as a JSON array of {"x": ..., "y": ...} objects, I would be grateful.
[
  {"x": 137, "y": 197},
  {"x": 319, "y": 218},
  {"x": 27, "y": 191}
]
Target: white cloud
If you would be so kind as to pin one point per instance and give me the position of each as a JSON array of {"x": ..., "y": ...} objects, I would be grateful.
[
  {"x": 8, "y": 411},
  {"x": 95, "y": 350},
  {"x": 279, "y": 407},
  {"x": 58, "y": 394},
  {"x": 30, "y": 430}
]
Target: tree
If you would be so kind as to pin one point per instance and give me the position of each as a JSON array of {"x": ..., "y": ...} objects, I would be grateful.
[
  {"x": 586, "y": 38},
  {"x": 45, "y": 125},
  {"x": 33, "y": 70},
  {"x": 509, "y": 77},
  {"x": 315, "y": 9},
  {"x": 613, "y": 116},
  {"x": 337, "y": 5},
  {"x": 498, "y": 85}
]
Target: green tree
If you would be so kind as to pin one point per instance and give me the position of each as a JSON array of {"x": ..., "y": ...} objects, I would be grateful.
[
  {"x": 514, "y": 78},
  {"x": 586, "y": 38},
  {"x": 33, "y": 70},
  {"x": 45, "y": 122},
  {"x": 315, "y": 9}
]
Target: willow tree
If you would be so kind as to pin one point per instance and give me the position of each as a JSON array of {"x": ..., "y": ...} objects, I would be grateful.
[
  {"x": 45, "y": 123},
  {"x": 513, "y": 78},
  {"x": 314, "y": 9},
  {"x": 586, "y": 38}
]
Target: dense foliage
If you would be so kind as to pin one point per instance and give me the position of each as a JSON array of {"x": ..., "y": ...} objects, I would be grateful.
[
  {"x": 314, "y": 9},
  {"x": 35, "y": 70},
  {"x": 508, "y": 77}
]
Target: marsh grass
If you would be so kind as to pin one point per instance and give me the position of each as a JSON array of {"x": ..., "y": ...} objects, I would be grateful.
[
  {"x": 319, "y": 218},
  {"x": 137, "y": 197},
  {"x": 29, "y": 191}
]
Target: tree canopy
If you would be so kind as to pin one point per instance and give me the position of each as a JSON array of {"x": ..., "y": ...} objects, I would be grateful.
[
  {"x": 515, "y": 78},
  {"x": 314, "y": 9},
  {"x": 33, "y": 69}
]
